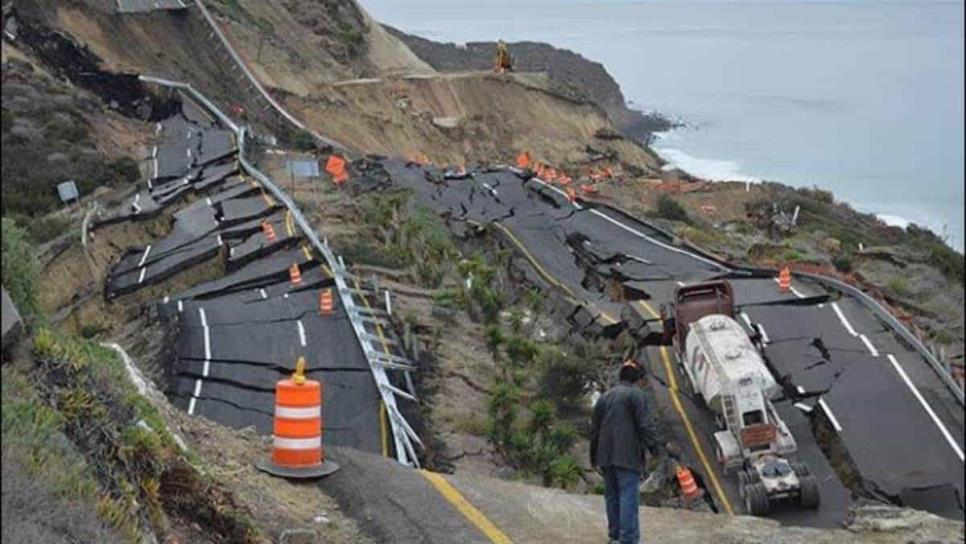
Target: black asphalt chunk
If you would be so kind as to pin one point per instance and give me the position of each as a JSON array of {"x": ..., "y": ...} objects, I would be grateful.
[
  {"x": 885, "y": 433},
  {"x": 835, "y": 497},
  {"x": 239, "y": 210},
  {"x": 163, "y": 268},
  {"x": 263, "y": 272},
  {"x": 350, "y": 404},
  {"x": 189, "y": 229},
  {"x": 257, "y": 244},
  {"x": 213, "y": 175}
]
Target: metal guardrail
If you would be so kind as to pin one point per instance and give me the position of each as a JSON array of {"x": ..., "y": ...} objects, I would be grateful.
[
  {"x": 872, "y": 304},
  {"x": 882, "y": 313},
  {"x": 403, "y": 433},
  {"x": 254, "y": 81}
]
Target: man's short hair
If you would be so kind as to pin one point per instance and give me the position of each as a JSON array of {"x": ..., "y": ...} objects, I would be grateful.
[{"x": 630, "y": 372}]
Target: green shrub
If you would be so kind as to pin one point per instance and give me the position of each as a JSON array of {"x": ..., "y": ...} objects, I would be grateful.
[
  {"x": 564, "y": 471},
  {"x": 20, "y": 268},
  {"x": 303, "y": 140},
  {"x": 843, "y": 262},
  {"x": 669, "y": 208},
  {"x": 792, "y": 255},
  {"x": 44, "y": 229},
  {"x": 899, "y": 285}
]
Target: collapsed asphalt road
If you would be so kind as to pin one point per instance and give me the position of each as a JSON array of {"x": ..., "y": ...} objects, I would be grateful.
[
  {"x": 842, "y": 370},
  {"x": 237, "y": 334}
]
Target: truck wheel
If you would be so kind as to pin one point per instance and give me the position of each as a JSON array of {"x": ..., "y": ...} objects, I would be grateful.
[
  {"x": 800, "y": 469},
  {"x": 808, "y": 497},
  {"x": 756, "y": 499},
  {"x": 752, "y": 475}
]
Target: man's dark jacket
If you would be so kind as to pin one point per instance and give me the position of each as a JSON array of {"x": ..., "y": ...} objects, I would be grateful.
[{"x": 624, "y": 427}]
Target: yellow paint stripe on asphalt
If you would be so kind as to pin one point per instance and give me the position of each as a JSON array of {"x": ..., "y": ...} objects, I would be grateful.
[
  {"x": 673, "y": 391},
  {"x": 546, "y": 275},
  {"x": 382, "y": 429},
  {"x": 385, "y": 349},
  {"x": 289, "y": 223},
  {"x": 308, "y": 252},
  {"x": 469, "y": 511},
  {"x": 268, "y": 199}
]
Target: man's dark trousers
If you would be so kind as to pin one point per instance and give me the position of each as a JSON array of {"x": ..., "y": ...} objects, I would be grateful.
[{"x": 621, "y": 495}]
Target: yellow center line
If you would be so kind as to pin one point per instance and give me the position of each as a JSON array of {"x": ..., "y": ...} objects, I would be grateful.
[
  {"x": 469, "y": 511},
  {"x": 540, "y": 270},
  {"x": 673, "y": 391},
  {"x": 289, "y": 223},
  {"x": 385, "y": 349},
  {"x": 307, "y": 252},
  {"x": 382, "y": 429}
]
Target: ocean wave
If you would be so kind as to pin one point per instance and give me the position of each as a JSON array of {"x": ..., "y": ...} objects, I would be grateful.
[{"x": 710, "y": 169}]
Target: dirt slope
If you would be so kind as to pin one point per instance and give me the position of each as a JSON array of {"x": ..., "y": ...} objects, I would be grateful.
[{"x": 464, "y": 117}]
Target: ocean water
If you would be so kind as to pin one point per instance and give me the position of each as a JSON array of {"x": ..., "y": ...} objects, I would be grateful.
[{"x": 861, "y": 97}]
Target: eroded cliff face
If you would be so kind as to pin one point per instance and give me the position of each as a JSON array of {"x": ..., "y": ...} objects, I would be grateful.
[{"x": 569, "y": 73}]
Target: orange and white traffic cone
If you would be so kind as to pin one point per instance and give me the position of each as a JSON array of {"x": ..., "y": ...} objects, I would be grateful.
[
  {"x": 785, "y": 280},
  {"x": 294, "y": 274},
  {"x": 326, "y": 302},
  {"x": 689, "y": 489},
  {"x": 269, "y": 231},
  {"x": 297, "y": 429}
]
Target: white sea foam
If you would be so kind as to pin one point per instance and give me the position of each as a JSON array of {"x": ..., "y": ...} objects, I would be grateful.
[{"x": 710, "y": 169}]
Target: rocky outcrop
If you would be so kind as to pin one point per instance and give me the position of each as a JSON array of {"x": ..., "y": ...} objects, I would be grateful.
[{"x": 570, "y": 74}]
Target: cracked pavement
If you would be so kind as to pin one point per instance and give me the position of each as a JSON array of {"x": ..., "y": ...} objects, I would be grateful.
[{"x": 835, "y": 360}]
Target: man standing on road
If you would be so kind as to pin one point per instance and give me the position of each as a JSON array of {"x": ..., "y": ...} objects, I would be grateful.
[{"x": 624, "y": 428}]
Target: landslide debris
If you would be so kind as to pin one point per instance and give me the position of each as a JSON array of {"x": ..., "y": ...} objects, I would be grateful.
[{"x": 570, "y": 74}]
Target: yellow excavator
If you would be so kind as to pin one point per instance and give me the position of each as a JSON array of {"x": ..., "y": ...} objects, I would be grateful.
[{"x": 503, "y": 61}]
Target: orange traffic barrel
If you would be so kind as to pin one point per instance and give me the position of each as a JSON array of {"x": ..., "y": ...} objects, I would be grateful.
[
  {"x": 269, "y": 231},
  {"x": 297, "y": 431},
  {"x": 785, "y": 280},
  {"x": 688, "y": 486},
  {"x": 523, "y": 159},
  {"x": 294, "y": 274},
  {"x": 589, "y": 189},
  {"x": 326, "y": 302}
]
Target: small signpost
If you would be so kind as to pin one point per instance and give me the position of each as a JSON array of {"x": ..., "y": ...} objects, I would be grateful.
[
  {"x": 303, "y": 168},
  {"x": 68, "y": 191}
]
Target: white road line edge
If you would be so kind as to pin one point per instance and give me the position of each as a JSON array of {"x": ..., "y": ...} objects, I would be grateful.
[
  {"x": 831, "y": 416},
  {"x": 144, "y": 257},
  {"x": 803, "y": 407},
  {"x": 141, "y": 277},
  {"x": 868, "y": 344},
  {"x": 929, "y": 410},
  {"x": 301, "y": 332},
  {"x": 848, "y": 326},
  {"x": 764, "y": 334}
]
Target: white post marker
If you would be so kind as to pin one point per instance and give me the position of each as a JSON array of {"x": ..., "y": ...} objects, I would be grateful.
[{"x": 942, "y": 428}]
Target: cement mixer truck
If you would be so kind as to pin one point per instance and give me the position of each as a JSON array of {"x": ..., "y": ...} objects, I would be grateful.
[{"x": 724, "y": 369}]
